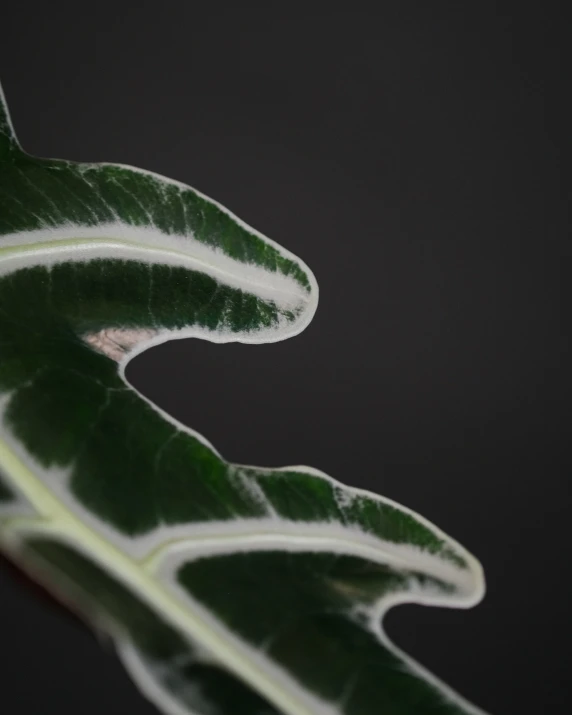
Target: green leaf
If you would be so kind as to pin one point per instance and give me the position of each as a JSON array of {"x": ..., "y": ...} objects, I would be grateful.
[{"x": 227, "y": 589}]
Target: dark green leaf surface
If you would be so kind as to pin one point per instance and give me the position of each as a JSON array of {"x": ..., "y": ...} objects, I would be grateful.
[{"x": 228, "y": 590}]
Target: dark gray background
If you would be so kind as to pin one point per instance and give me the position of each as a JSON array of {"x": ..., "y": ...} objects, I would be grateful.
[{"x": 412, "y": 158}]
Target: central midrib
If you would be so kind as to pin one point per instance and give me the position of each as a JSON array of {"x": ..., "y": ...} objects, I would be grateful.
[{"x": 131, "y": 573}]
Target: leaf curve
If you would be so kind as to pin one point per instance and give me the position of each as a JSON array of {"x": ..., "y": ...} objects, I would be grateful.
[{"x": 226, "y": 588}]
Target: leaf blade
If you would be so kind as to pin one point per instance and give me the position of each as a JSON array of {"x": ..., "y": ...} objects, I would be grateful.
[{"x": 112, "y": 259}]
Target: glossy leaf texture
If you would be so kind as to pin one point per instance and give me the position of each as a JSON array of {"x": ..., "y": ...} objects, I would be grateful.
[{"x": 227, "y": 589}]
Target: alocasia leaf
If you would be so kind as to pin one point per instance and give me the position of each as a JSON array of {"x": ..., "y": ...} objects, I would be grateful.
[{"x": 228, "y": 590}]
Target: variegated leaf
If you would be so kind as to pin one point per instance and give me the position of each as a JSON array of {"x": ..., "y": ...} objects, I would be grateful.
[{"x": 228, "y": 590}]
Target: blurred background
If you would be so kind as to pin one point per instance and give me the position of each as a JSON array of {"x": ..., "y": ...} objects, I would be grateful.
[{"x": 413, "y": 158}]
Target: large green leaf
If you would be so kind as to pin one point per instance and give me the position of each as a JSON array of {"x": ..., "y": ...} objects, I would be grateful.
[{"x": 228, "y": 590}]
